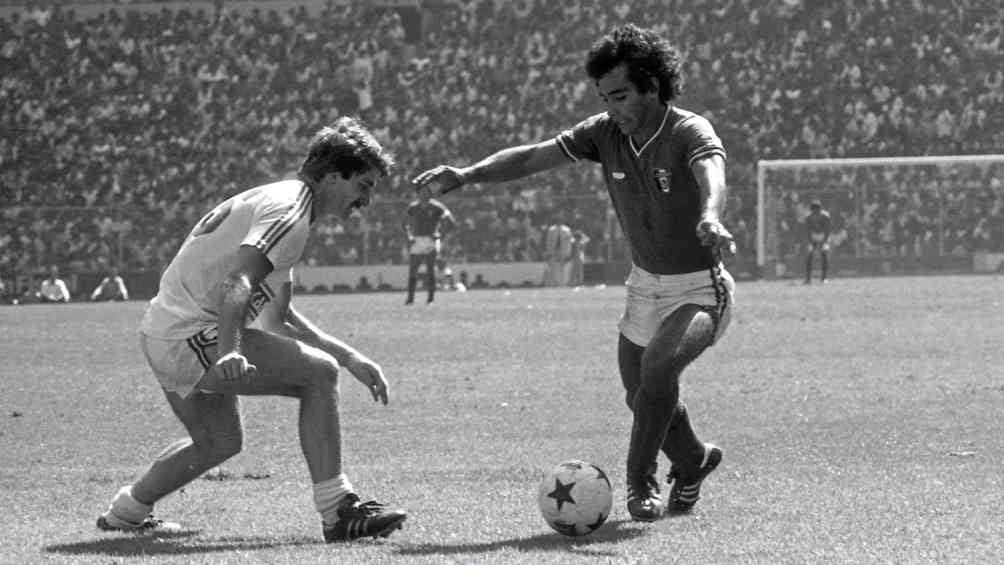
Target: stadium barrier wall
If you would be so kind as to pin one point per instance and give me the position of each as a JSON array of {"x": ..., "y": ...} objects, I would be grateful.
[
  {"x": 143, "y": 285},
  {"x": 388, "y": 277},
  {"x": 988, "y": 262}
]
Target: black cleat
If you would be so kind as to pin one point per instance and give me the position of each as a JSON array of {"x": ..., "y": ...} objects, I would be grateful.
[
  {"x": 686, "y": 491},
  {"x": 644, "y": 503},
  {"x": 149, "y": 524},
  {"x": 363, "y": 520}
]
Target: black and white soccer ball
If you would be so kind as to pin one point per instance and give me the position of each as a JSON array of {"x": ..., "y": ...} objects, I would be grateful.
[{"x": 575, "y": 497}]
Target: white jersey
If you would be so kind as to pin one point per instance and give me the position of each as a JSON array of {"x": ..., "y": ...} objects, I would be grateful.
[{"x": 274, "y": 218}]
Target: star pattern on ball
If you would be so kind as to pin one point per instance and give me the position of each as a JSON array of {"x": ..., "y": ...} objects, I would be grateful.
[
  {"x": 600, "y": 474},
  {"x": 562, "y": 493}
]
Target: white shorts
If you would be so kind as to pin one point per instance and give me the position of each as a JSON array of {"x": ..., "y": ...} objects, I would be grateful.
[
  {"x": 179, "y": 364},
  {"x": 819, "y": 241},
  {"x": 652, "y": 298},
  {"x": 423, "y": 245}
]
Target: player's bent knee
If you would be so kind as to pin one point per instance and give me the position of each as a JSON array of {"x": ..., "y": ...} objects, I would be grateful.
[{"x": 322, "y": 370}]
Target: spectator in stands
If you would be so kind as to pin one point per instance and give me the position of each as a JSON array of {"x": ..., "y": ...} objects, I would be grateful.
[
  {"x": 135, "y": 90},
  {"x": 53, "y": 288}
]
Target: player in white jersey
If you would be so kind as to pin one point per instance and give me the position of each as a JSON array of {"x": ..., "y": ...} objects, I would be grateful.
[{"x": 233, "y": 269}]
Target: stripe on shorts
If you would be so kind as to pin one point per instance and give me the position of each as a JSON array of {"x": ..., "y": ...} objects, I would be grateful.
[
  {"x": 721, "y": 293},
  {"x": 199, "y": 343}
]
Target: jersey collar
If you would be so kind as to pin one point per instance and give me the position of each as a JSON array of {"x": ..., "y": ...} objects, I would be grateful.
[{"x": 665, "y": 116}]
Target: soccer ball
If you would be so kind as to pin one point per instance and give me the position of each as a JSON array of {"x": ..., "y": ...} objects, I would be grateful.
[{"x": 575, "y": 497}]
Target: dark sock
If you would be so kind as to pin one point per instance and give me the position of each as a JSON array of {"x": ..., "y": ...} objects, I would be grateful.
[
  {"x": 682, "y": 445},
  {"x": 648, "y": 432}
]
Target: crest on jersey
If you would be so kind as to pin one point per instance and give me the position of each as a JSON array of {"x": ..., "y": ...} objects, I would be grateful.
[{"x": 662, "y": 178}]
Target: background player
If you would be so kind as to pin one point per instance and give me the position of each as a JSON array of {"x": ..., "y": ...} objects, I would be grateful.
[
  {"x": 235, "y": 267},
  {"x": 112, "y": 287},
  {"x": 665, "y": 172},
  {"x": 817, "y": 226},
  {"x": 557, "y": 251},
  {"x": 426, "y": 222}
]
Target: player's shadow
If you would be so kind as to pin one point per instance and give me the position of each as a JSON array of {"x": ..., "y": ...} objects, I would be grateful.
[
  {"x": 615, "y": 530},
  {"x": 172, "y": 543}
]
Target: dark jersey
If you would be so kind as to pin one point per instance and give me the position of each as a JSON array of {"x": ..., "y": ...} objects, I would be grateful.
[
  {"x": 818, "y": 224},
  {"x": 652, "y": 187},
  {"x": 425, "y": 217}
]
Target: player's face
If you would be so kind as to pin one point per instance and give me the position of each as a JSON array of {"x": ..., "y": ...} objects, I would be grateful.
[
  {"x": 634, "y": 112},
  {"x": 342, "y": 196}
]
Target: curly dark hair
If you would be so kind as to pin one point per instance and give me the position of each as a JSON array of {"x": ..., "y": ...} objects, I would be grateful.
[
  {"x": 345, "y": 147},
  {"x": 644, "y": 53}
]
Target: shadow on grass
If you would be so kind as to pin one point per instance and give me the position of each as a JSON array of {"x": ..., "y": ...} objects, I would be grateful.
[
  {"x": 614, "y": 531},
  {"x": 172, "y": 543}
]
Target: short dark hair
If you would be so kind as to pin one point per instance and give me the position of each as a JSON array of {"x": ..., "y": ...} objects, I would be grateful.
[
  {"x": 645, "y": 54},
  {"x": 345, "y": 147}
]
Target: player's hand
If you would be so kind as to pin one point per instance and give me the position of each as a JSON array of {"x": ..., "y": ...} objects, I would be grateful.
[
  {"x": 713, "y": 234},
  {"x": 371, "y": 375},
  {"x": 445, "y": 177},
  {"x": 235, "y": 367}
]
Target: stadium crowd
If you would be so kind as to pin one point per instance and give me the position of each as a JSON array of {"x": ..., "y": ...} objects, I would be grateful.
[{"x": 118, "y": 129}]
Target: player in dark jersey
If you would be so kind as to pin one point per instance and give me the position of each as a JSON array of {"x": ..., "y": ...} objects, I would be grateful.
[
  {"x": 428, "y": 219},
  {"x": 817, "y": 227},
  {"x": 665, "y": 172}
]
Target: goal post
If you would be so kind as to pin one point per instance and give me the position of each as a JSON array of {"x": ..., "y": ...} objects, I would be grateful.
[{"x": 883, "y": 208}]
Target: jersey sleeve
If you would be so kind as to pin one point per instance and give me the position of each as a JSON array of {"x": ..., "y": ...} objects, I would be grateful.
[
  {"x": 279, "y": 228},
  {"x": 580, "y": 141},
  {"x": 700, "y": 139}
]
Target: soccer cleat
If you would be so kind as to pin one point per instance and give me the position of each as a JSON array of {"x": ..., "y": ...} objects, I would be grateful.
[
  {"x": 363, "y": 520},
  {"x": 686, "y": 491},
  {"x": 644, "y": 502},
  {"x": 111, "y": 523}
]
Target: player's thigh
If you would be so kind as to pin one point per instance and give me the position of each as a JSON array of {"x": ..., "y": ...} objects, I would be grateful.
[
  {"x": 681, "y": 337},
  {"x": 208, "y": 417},
  {"x": 285, "y": 366}
]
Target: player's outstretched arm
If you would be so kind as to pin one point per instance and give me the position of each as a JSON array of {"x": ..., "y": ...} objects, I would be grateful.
[
  {"x": 508, "y": 164},
  {"x": 710, "y": 174},
  {"x": 364, "y": 369}
]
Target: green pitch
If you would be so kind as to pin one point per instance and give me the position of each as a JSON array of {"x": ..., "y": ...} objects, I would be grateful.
[{"x": 861, "y": 421}]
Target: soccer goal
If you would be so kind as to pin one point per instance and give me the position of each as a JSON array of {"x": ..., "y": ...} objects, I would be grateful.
[{"x": 889, "y": 214}]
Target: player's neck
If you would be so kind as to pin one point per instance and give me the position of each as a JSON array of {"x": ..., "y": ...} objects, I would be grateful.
[
  {"x": 308, "y": 183},
  {"x": 651, "y": 126}
]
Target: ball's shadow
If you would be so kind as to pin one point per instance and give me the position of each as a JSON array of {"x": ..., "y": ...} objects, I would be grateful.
[
  {"x": 172, "y": 543},
  {"x": 612, "y": 531}
]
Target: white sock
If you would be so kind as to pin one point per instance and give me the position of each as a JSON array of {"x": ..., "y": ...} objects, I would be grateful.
[
  {"x": 126, "y": 509},
  {"x": 328, "y": 495}
]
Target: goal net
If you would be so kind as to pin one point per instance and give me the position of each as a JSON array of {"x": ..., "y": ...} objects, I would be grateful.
[{"x": 888, "y": 215}]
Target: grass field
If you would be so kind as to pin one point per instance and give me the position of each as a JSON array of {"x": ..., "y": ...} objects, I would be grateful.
[{"x": 861, "y": 422}]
